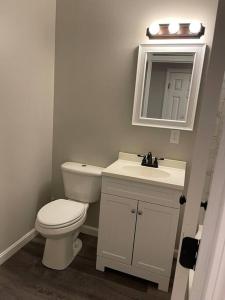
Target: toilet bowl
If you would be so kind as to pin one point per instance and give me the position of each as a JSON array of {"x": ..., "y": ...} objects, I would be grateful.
[{"x": 60, "y": 220}]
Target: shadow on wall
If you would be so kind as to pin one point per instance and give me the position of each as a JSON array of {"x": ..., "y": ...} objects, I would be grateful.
[{"x": 44, "y": 196}]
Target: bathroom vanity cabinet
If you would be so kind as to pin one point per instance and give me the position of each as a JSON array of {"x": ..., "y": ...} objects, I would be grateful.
[{"x": 137, "y": 228}]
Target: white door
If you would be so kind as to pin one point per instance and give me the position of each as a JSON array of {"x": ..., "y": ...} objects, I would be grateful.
[
  {"x": 176, "y": 94},
  {"x": 117, "y": 228},
  {"x": 210, "y": 269},
  {"x": 200, "y": 155},
  {"x": 156, "y": 225}
]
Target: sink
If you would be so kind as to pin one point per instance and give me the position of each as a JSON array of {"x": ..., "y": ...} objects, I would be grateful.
[
  {"x": 171, "y": 173},
  {"x": 145, "y": 171}
]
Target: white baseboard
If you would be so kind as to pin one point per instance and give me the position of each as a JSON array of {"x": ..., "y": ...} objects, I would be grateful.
[
  {"x": 90, "y": 230},
  {"x": 11, "y": 250}
]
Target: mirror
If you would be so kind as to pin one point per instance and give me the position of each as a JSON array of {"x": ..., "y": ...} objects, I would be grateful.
[{"x": 167, "y": 84}]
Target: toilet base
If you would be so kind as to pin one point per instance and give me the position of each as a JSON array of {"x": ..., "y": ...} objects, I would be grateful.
[
  {"x": 59, "y": 253},
  {"x": 77, "y": 247}
]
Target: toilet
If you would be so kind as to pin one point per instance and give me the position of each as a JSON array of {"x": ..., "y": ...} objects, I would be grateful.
[{"x": 60, "y": 220}]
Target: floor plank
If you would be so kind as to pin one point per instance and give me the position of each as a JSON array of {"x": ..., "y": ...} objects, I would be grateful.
[{"x": 23, "y": 277}]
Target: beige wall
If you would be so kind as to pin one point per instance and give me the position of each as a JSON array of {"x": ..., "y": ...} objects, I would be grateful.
[
  {"x": 96, "y": 57},
  {"x": 27, "y": 30}
]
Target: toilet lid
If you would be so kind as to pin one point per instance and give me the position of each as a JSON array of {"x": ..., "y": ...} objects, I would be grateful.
[{"x": 60, "y": 212}]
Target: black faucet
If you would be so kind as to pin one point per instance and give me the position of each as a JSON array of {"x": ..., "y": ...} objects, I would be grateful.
[{"x": 148, "y": 161}]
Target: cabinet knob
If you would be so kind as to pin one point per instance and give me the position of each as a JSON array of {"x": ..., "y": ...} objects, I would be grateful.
[
  {"x": 133, "y": 211},
  {"x": 140, "y": 212}
]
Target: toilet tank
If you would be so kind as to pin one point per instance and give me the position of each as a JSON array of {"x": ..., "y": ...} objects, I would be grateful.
[{"x": 82, "y": 182}]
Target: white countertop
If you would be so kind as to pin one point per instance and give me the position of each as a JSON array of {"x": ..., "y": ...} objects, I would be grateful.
[{"x": 171, "y": 173}]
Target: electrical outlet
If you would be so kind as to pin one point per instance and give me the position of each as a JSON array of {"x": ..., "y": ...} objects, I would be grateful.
[{"x": 174, "y": 136}]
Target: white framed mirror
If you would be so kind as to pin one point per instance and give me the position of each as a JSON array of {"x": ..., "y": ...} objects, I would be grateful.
[{"x": 167, "y": 84}]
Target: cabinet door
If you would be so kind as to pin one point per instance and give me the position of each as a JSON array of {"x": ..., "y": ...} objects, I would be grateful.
[
  {"x": 117, "y": 228},
  {"x": 155, "y": 237}
]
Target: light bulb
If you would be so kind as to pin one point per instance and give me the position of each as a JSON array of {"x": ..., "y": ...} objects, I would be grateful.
[
  {"x": 154, "y": 28},
  {"x": 195, "y": 27},
  {"x": 173, "y": 27}
]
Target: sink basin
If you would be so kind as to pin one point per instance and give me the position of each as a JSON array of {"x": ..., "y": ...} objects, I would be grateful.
[
  {"x": 171, "y": 173},
  {"x": 145, "y": 171}
]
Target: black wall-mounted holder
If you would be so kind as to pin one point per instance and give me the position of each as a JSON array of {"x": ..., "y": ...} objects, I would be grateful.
[
  {"x": 189, "y": 252},
  {"x": 182, "y": 199},
  {"x": 204, "y": 204}
]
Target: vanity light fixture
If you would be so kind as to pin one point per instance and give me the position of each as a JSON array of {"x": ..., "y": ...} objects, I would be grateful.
[{"x": 174, "y": 30}]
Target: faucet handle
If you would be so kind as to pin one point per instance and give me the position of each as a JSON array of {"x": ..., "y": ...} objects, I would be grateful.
[
  {"x": 141, "y": 155},
  {"x": 155, "y": 163},
  {"x": 144, "y": 161}
]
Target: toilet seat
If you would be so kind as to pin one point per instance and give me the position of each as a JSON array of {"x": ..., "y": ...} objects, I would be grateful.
[{"x": 61, "y": 213}]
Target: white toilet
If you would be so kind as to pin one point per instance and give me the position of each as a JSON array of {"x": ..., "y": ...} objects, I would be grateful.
[{"x": 59, "y": 221}]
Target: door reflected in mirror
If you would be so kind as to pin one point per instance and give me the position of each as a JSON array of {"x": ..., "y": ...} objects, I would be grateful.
[{"x": 167, "y": 85}]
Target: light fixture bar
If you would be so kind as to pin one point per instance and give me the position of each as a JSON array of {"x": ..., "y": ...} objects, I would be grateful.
[{"x": 183, "y": 32}]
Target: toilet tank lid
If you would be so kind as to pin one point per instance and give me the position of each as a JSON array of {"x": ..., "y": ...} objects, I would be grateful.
[{"x": 75, "y": 167}]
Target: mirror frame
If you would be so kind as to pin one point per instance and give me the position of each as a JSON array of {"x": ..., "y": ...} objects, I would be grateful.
[{"x": 199, "y": 52}]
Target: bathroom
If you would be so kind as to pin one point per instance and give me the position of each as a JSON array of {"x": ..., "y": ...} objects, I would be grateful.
[{"x": 68, "y": 73}]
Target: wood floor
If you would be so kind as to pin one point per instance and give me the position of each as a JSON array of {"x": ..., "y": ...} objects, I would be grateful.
[{"x": 23, "y": 277}]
